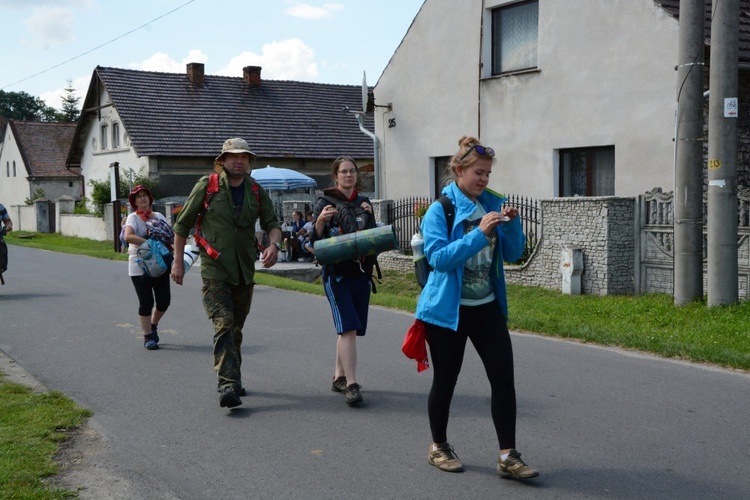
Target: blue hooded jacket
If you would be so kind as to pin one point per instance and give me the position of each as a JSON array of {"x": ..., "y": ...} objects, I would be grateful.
[{"x": 439, "y": 302}]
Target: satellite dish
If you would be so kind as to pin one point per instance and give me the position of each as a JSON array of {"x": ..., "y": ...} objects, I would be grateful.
[{"x": 364, "y": 91}]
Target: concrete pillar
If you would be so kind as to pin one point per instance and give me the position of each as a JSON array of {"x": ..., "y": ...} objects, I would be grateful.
[
  {"x": 63, "y": 205},
  {"x": 571, "y": 267},
  {"x": 41, "y": 210}
]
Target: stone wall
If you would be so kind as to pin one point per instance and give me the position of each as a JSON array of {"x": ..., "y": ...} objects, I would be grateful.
[{"x": 603, "y": 227}]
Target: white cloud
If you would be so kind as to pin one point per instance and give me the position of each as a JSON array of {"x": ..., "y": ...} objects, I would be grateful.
[
  {"x": 165, "y": 64},
  {"x": 50, "y": 26},
  {"x": 284, "y": 60},
  {"x": 311, "y": 12}
]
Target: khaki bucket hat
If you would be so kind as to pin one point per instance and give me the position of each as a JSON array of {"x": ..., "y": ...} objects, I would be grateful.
[{"x": 236, "y": 145}]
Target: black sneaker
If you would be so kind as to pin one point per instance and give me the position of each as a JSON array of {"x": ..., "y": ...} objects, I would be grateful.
[
  {"x": 229, "y": 398},
  {"x": 151, "y": 343},
  {"x": 353, "y": 396},
  {"x": 514, "y": 466},
  {"x": 339, "y": 384}
]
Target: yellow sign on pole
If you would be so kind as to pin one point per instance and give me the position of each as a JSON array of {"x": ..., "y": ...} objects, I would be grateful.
[{"x": 714, "y": 164}]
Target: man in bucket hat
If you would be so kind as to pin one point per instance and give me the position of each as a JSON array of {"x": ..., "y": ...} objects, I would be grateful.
[{"x": 228, "y": 252}]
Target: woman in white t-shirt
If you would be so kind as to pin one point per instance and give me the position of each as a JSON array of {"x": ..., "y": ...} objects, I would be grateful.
[{"x": 151, "y": 291}]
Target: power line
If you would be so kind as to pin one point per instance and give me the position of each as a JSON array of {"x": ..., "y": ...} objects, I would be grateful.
[{"x": 99, "y": 46}]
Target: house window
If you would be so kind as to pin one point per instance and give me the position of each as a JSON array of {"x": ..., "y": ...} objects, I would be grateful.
[
  {"x": 7, "y": 169},
  {"x": 587, "y": 171},
  {"x": 515, "y": 37},
  {"x": 103, "y": 137},
  {"x": 115, "y": 135},
  {"x": 14, "y": 168}
]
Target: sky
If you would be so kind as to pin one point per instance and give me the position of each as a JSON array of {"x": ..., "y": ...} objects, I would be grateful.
[{"x": 47, "y": 43}]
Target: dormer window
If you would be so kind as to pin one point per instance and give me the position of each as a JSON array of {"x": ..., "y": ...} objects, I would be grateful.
[{"x": 103, "y": 136}]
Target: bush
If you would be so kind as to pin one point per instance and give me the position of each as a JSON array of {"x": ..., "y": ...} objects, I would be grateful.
[
  {"x": 100, "y": 192},
  {"x": 39, "y": 194}
]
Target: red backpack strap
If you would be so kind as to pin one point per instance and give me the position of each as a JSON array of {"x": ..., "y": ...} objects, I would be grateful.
[
  {"x": 211, "y": 190},
  {"x": 256, "y": 192}
]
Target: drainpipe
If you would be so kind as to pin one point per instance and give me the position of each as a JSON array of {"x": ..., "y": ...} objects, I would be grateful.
[{"x": 376, "y": 151}]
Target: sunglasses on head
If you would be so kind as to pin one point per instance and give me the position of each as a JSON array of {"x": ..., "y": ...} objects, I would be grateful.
[{"x": 481, "y": 150}]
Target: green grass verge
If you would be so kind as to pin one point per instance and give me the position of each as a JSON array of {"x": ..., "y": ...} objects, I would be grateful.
[
  {"x": 31, "y": 429},
  {"x": 64, "y": 244}
]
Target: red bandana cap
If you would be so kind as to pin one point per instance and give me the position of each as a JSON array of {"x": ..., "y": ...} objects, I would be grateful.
[{"x": 137, "y": 190}]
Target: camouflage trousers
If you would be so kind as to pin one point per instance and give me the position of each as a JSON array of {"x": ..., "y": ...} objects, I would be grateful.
[{"x": 227, "y": 306}]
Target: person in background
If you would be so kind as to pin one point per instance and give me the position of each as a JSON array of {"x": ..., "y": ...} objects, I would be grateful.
[
  {"x": 307, "y": 249},
  {"x": 292, "y": 242},
  {"x": 229, "y": 229},
  {"x": 346, "y": 284},
  {"x": 465, "y": 298},
  {"x": 7, "y": 227},
  {"x": 150, "y": 291}
]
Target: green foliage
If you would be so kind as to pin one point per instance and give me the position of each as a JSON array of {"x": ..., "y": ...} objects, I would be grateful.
[
  {"x": 81, "y": 208},
  {"x": 32, "y": 426},
  {"x": 70, "y": 111},
  {"x": 24, "y": 106},
  {"x": 39, "y": 194},
  {"x": 100, "y": 192}
]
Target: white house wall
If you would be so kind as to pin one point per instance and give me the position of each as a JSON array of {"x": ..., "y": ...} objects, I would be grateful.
[
  {"x": 95, "y": 162},
  {"x": 606, "y": 78},
  {"x": 14, "y": 189}
]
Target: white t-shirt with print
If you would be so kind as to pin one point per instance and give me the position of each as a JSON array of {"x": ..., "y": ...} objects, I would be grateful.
[{"x": 476, "y": 288}]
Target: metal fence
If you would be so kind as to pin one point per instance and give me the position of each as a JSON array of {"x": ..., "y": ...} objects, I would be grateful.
[{"x": 402, "y": 214}]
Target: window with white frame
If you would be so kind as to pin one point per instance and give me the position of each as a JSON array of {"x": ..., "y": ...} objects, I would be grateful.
[
  {"x": 515, "y": 35},
  {"x": 103, "y": 136},
  {"x": 7, "y": 169},
  {"x": 14, "y": 168},
  {"x": 115, "y": 135},
  {"x": 587, "y": 171}
]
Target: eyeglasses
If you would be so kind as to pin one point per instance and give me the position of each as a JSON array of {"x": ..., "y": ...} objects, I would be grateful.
[
  {"x": 481, "y": 150},
  {"x": 347, "y": 172}
]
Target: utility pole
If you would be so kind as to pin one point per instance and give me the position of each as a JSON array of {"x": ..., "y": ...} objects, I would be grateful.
[
  {"x": 722, "y": 154},
  {"x": 688, "y": 180}
]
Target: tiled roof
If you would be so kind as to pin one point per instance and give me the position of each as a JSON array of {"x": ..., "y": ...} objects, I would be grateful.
[
  {"x": 44, "y": 147},
  {"x": 673, "y": 7},
  {"x": 165, "y": 114}
]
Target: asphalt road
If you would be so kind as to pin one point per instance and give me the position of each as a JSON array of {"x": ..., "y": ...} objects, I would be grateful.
[{"x": 596, "y": 422}]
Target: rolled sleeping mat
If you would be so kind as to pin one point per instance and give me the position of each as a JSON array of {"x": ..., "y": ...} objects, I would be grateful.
[{"x": 354, "y": 245}]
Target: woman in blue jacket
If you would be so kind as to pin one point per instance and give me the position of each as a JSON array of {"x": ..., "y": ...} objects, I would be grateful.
[{"x": 465, "y": 298}]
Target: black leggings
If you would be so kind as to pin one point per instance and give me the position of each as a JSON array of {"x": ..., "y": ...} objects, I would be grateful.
[
  {"x": 488, "y": 331},
  {"x": 148, "y": 289}
]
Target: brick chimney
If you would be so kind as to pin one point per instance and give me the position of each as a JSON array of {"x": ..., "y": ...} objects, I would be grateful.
[
  {"x": 195, "y": 73},
  {"x": 251, "y": 74}
]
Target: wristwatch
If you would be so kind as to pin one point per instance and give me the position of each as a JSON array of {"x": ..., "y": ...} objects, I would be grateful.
[{"x": 277, "y": 245}]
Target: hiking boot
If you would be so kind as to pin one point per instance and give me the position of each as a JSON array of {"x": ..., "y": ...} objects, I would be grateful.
[
  {"x": 514, "y": 466},
  {"x": 241, "y": 393},
  {"x": 229, "y": 398},
  {"x": 339, "y": 384},
  {"x": 150, "y": 343},
  {"x": 353, "y": 396},
  {"x": 444, "y": 458}
]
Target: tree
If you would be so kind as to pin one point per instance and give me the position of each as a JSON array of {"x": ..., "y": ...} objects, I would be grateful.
[
  {"x": 23, "y": 106},
  {"x": 70, "y": 111}
]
